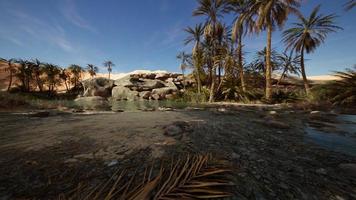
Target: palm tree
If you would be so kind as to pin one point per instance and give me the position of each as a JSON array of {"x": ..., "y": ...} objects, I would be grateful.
[
  {"x": 52, "y": 76},
  {"x": 37, "y": 68},
  {"x": 350, "y": 4},
  {"x": 24, "y": 74},
  {"x": 92, "y": 69},
  {"x": 109, "y": 64},
  {"x": 64, "y": 76},
  {"x": 183, "y": 57},
  {"x": 259, "y": 63},
  {"x": 239, "y": 29},
  {"x": 76, "y": 71},
  {"x": 213, "y": 10},
  {"x": 194, "y": 36},
  {"x": 308, "y": 34},
  {"x": 11, "y": 69},
  {"x": 289, "y": 63},
  {"x": 268, "y": 15}
]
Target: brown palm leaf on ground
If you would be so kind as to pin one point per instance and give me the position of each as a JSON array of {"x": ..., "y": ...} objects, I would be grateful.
[{"x": 193, "y": 177}]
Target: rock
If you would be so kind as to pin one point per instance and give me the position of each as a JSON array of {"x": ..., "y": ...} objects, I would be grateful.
[
  {"x": 349, "y": 168},
  {"x": 92, "y": 102},
  {"x": 277, "y": 124},
  {"x": 321, "y": 171},
  {"x": 314, "y": 112},
  {"x": 173, "y": 130},
  {"x": 145, "y": 95},
  {"x": 124, "y": 93},
  {"x": 272, "y": 112},
  {"x": 113, "y": 163},
  {"x": 148, "y": 85},
  {"x": 156, "y": 97},
  {"x": 165, "y": 109},
  {"x": 98, "y": 87},
  {"x": 162, "y": 92},
  {"x": 162, "y": 76}
]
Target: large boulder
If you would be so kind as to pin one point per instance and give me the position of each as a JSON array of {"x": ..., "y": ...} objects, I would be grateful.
[
  {"x": 124, "y": 93},
  {"x": 139, "y": 84},
  {"x": 98, "y": 87},
  {"x": 162, "y": 92},
  {"x": 94, "y": 103}
]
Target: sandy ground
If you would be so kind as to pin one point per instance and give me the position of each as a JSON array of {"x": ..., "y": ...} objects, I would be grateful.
[{"x": 44, "y": 157}]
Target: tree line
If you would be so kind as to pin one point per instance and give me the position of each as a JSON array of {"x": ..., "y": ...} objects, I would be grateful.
[
  {"x": 34, "y": 75},
  {"x": 217, "y": 56}
]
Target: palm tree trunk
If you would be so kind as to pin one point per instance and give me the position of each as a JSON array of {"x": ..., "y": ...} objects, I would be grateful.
[
  {"x": 240, "y": 65},
  {"x": 282, "y": 75},
  {"x": 269, "y": 64},
  {"x": 212, "y": 87},
  {"x": 183, "y": 80},
  {"x": 305, "y": 80},
  {"x": 198, "y": 80},
  {"x": 109, "y": 75},
  {"x": 10, "y": 81}
]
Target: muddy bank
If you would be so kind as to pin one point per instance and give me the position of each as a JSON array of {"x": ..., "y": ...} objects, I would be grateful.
[{"x": 43, "y": 157}]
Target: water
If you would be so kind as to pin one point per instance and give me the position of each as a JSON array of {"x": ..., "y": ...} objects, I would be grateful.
[
  {"x": 147, "y": 105},
  {"x": 345, "y": 143}
]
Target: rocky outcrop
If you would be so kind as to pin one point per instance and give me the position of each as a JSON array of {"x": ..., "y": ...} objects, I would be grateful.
[
  {"x": 98, "y": 87},
  {"x": 147, "y": 86}
]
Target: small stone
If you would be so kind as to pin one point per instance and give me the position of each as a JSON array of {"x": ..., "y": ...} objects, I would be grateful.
[
  {"x": 349, "y": 168},
  {"x": 173, "y": 130},
  {"x": 272, "y": 112},
  {"x": 113, "y": 163},
  {"x": 321, "y": 171},
  {"x": 314, "y": 112}
]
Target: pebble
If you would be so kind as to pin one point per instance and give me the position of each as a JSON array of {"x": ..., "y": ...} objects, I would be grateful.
[{"x": 113, "y": 163}]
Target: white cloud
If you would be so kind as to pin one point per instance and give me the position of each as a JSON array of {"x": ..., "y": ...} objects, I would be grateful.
[{"x": 71, "y": 13}]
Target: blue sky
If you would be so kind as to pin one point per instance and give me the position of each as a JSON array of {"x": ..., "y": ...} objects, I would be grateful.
[{"x": 140, "y": 34}]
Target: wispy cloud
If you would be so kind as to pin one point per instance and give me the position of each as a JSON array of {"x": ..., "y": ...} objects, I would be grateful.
[
  {"x": 71, "y": 13},
  {"x": 41, "y": 30}
]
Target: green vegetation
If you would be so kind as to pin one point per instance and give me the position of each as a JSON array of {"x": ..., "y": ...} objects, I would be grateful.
[
  {"x": 217, "y": 59},
  {"x": 341, "y": 92}
]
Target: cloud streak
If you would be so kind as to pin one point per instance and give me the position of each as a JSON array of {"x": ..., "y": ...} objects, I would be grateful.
[{"x": 71, "y": 13}]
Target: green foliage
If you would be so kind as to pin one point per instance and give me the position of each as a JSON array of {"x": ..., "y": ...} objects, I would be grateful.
[
  {"x": 287, "y": 95},
  {"x": 340, "y": 92},
  {"x": 191, "y": 95}
]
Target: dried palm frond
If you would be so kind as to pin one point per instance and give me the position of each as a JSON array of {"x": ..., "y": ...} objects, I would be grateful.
[{"x": 194, "y": 177}]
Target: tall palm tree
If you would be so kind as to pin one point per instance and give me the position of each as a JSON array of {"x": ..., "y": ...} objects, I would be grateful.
[
  {"x": 11, "y": 69},
  {"x": 37, "y": 67},
  {"x": 92, "y": 69},
  {"x": 289, "y": 63},
  {"x": 350, "y": 4},
  {"x": 268, "y": 15},
  {"x": 76, "y": 71},
  {"x": 308, "y": 34},
  {"x": 52, "y": 76},
  {"x": 213, "y": 10},
  {"x": 64, "y": 75},
  {"x": 194, "y": 36},
  {"x": 240, "y": 28},
  {"x": 109, "y": 64}
]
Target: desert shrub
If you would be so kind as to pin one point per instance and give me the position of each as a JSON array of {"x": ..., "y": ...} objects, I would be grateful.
[
  {"x": 191, "y": 95},
  {"x": 287, "y": 95}
]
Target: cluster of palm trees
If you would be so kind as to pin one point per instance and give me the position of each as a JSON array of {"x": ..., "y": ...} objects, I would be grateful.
[
  {"x": 34, "y": 75},
  {"x": 218, "y": 54}
]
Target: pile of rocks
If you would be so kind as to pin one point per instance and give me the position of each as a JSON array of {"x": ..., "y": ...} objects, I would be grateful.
[
  {"x": 147, "y": 86},
  {"x": 150, "y": 86}
]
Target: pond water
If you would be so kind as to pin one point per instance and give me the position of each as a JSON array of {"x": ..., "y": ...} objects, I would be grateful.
[{"x": 343, "y": 143}]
